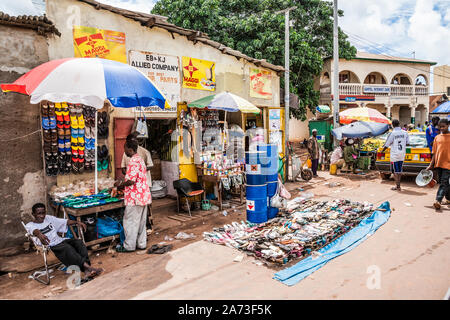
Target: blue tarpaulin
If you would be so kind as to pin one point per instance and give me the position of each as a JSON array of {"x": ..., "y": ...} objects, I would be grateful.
[
  {"x": 341, "y": 245},
  {"x": 442, "y": 108}
]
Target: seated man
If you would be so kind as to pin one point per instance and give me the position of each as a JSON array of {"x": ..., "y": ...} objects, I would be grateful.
[
  {"x": 68, "y": 251},
  {"x": 350, "y": 154},
  {"x": 336, "y": 156}
]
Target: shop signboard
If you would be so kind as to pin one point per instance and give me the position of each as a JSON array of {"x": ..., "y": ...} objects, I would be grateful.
[
  {"x": 260, "y": 83},
  {"x": 92, "y": 42},
  {"x": 164, "y": 71},
  {"x": 274, "y": 119},
  {"x": 198, "y": 74},
  {"x": 371, "y": 89}
]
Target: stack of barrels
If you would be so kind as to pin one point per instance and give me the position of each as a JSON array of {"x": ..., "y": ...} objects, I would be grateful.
[
  {"x": 270, "y": 171},
  {"x": 262, "y": 178}
]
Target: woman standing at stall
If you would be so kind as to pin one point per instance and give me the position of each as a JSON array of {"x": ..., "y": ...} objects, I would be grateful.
[{"x": 136, "y": 197}]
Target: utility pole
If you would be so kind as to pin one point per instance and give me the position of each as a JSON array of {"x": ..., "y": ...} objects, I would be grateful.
[
  {"x": 286, "y": 82},
  {"x": 335, "y": 69}
]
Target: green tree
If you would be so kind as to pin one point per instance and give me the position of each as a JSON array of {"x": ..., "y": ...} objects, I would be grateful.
[{"x": 252, "y": 27}]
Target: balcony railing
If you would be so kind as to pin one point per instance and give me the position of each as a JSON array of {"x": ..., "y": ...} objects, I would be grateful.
[{"x": 379, "y": 90}]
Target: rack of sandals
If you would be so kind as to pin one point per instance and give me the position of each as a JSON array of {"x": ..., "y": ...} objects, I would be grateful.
[{"x": 68, "y": 132}]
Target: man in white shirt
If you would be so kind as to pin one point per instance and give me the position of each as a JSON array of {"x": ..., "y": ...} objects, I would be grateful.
[
  {"x": 68, "y": 251},
  {"x": 337, "y": 156},
  {"x": 397, "y": 141},
  {"x": 143, "y": 153}
]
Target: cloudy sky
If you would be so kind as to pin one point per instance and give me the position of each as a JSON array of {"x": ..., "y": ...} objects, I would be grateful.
[{"x": 405, "y": 28}]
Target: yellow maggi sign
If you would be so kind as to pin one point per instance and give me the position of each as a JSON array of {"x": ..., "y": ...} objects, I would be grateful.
[
  {"x": 92, "y": 42},
  {"x": 198, "y": 74}
]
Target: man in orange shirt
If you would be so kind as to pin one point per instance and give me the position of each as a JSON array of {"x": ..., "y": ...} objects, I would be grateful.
[{"x": 441, "y": 161}]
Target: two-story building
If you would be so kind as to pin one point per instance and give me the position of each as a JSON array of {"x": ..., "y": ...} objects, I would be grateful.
[{"x": 397, "y": 87}]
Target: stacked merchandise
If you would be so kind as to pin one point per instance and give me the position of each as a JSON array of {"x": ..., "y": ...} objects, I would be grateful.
[
  {"x": 102, "y": 133},
  {"x": 89, "y": 131},
  {"x": 77, "y": 141},
  {"x": 50, "y": 139},
  {"x": 69, "y": 138},
  {"x": 306, "y": 226}
]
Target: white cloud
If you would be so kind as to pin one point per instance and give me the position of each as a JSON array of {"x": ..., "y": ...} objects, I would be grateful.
[
  {"x": 134, "y": 5},
  {"x": 18, "y": 7},
  {"x": 399, "y": 28}
]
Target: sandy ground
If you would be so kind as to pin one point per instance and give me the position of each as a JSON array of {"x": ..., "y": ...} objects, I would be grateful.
[{"x": 409, "y": 256}]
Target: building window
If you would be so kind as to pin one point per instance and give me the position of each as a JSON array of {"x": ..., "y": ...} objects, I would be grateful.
[
  {"x": 448, "y": 91},
  {"x": 372, "y": 78},
  {"x": 344, "y": 77}
]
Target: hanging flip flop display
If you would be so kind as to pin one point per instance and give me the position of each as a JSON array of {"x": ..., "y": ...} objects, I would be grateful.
[{"x": 68, "y": 132}]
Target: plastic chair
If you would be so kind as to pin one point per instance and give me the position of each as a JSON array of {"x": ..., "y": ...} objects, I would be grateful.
[
  {"x": 186, "y": 189},
  {"x": 43, "y": 249}
]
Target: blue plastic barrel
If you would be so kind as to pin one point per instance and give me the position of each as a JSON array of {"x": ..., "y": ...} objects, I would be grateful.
[
  {"x": 272, "y": 177},
  {"x": 253, "y": 169},
  {"x": 271, "y": 188},
  {"x": 272, "y": 212},
  {"x": 256, "y": 203},
  {"x": 269, "y": 158},
  {"x": 271, "y": 150}
]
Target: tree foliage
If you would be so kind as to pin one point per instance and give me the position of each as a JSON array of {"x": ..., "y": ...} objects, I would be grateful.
[{"x": 252, "y": 27}]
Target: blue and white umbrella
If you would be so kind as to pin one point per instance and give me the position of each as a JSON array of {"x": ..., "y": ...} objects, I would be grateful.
[{"x": 360, "y": 129}]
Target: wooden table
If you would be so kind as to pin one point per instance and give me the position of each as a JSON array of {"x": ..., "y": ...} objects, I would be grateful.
[
  {"x": 78, "y": 213},
  {"x": 216, "y": 180}
]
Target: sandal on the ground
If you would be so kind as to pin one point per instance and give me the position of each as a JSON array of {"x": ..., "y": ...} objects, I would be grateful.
[{"x": 120, "y": 248}]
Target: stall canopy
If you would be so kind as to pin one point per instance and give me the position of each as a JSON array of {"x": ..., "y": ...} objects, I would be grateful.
[
  {"x": 225, "y": 101},
  {"x": 360, "y": 129},
  {"x": 443, "y": 108},
  {"x": 89, "y": 81},
  {"x": 362, "y": 114}
]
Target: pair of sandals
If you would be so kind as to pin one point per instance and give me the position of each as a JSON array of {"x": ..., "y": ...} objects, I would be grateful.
[
  {"x": 102, "y": 158},
  {"x": 64, "y": 164},
  {"x": 51, "y": 163},
  {"x": 159, "y": 249},
  {"x": 102, "y": 125},
  {"x": 48, "y": 123},
  {"x": 89, "y": 116},
  {"x": 48, "y": 110}
]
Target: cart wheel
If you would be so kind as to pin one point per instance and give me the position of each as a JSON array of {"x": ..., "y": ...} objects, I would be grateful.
[
  {"x": 385, "y": 176},
  {"x": 306, "y": 174}
]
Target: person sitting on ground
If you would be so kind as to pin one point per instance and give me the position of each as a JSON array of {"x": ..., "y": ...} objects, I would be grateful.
[
  {"x": 69, "y": 251},
  {"x": 441, "y": 161},
  {"x": 350, "y": 154},
  {"x": 337, "y": 156}
]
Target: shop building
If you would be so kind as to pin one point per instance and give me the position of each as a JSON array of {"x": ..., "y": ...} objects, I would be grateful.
[
  {"x": 149, "y": 38},
  {"x": 397, "y": 87},
  {"x": 23, "y": 43}
]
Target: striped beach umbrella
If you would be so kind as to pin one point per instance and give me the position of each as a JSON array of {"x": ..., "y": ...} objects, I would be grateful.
[
  {"x": 362, "y": 114},
  {"x": 225, "y": 101}
]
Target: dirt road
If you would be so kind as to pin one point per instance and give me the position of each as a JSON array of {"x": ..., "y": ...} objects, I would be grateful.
[{"x": 411, "y": 254}]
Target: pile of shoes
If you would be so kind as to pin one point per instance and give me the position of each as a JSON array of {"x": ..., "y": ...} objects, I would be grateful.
[
  {"x": 102, "y": 125},
  {"x": 311, "y": 225},
  {"x": 50, "y": 138},
  {"x": 63, "y": 129},
  {"x": 77, "y": 138},
  {"x": 102, "y": 158},
  {"x": 89, "y": 117}
]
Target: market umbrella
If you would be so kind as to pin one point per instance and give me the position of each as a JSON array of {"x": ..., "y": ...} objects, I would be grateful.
[
  {"x": 442, "y": 108},
  {"x": 362, "y": 114},
  {"x": 89, "y": 81},
  {"x": 225, "y": 101},
  {"x": 360, "y": 129}
]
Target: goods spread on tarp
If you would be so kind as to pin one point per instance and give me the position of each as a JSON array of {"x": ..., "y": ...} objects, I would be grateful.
[{"x": 304, "y": 226}]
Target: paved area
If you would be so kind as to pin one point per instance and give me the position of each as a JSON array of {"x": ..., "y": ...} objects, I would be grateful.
[{"x": 410, "y": 253}]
